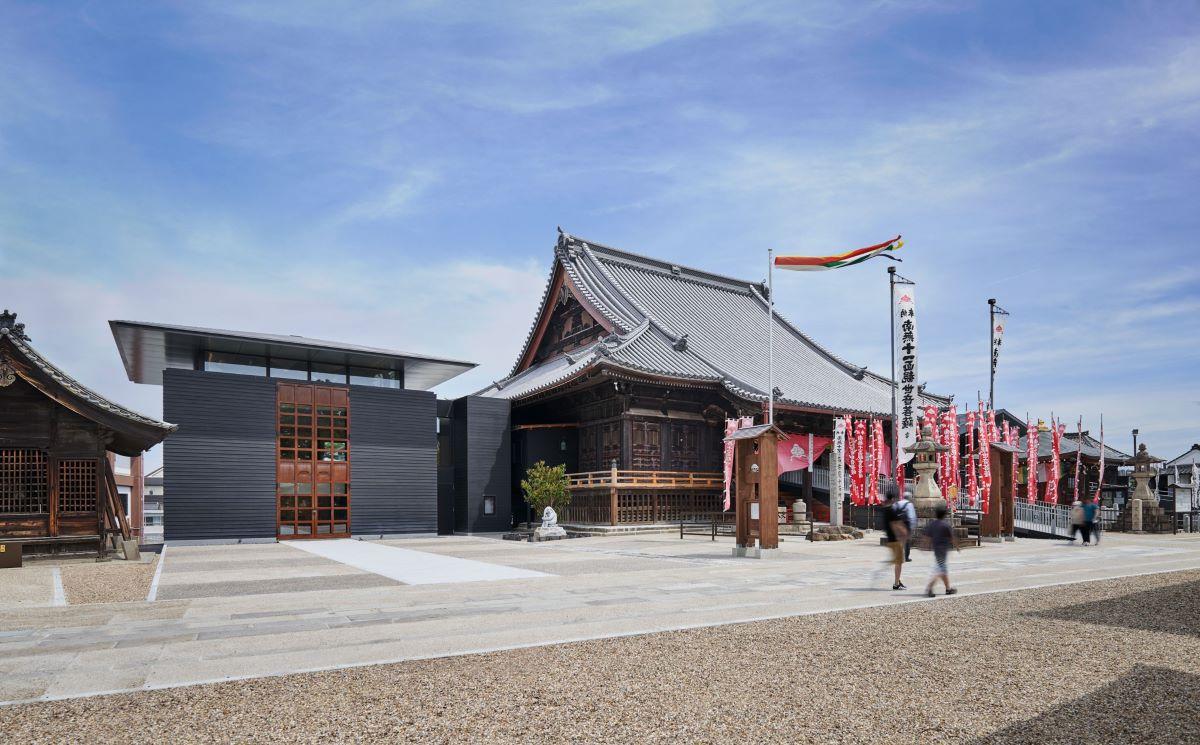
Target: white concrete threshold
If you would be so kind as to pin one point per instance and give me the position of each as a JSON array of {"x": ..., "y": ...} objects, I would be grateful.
[{"x": 408, "y": 566}]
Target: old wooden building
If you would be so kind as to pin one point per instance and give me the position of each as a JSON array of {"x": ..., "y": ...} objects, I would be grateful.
[
  {"x": 633, "y": 365},
  {"x": 56, "y": 482}
]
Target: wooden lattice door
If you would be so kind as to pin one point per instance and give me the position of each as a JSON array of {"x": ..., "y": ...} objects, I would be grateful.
[{"x": 312, "y": 481}]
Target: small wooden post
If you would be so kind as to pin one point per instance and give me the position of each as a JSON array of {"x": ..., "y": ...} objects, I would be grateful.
[{"x": 612, "y": 495}]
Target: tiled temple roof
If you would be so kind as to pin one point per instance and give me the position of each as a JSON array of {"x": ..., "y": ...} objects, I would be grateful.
[{"x": 688, "y": 324}]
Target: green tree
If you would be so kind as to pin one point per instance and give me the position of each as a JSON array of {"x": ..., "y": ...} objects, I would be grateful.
[{"x": 546, "y": 486}]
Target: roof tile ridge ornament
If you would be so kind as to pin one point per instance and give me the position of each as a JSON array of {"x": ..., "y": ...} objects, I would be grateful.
[{"x": 10, "y": 327}]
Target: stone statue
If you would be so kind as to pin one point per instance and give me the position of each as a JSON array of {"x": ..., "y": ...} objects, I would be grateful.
[{"x": 550, "y": 527}]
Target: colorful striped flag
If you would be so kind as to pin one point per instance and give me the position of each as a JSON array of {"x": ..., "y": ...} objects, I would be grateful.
[{"x": 837, "y": 261}]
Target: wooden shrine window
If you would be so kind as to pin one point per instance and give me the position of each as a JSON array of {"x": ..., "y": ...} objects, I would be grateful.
[
  {"x": 610, "y": 443},
  {"x": 685, "y": 446},
  {"x": 647, "y": 445},
  {"x": 23, "y": 481},
  {"x": 77, "y": 484},
  {"x": 312, "y": 485}
]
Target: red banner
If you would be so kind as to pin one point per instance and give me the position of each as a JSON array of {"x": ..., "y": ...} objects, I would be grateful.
[
  {"x": 1055, "y": 471},
  {"x": 793, "y": 451},
  {"x": 1031, "y": 461},
  {"x": 987, "y": 428},
  {"x": 972, "y": 473}
]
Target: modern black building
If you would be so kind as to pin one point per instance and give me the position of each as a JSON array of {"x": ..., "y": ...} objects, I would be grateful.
[{"x": 285, "y": 437}]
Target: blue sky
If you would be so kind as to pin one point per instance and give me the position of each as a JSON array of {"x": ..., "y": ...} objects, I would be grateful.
[{"x": 392, "y": 174}]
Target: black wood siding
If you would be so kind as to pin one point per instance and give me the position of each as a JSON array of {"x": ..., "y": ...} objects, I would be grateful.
[
  {"x": 482, "y": 463},
  {"x": 220, "y": 465},
  {"x": 393, "y": 461}
]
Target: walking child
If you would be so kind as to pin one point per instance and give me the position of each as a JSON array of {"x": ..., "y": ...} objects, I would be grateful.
[{"x": 942, "y": 539}]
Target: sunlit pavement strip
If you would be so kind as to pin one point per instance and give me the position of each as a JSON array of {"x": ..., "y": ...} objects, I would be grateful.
[
  {"x": 596, "y": 588},
  {"x": 411, "y": 567}
]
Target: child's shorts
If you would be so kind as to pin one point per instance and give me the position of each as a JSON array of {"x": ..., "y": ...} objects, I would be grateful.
[{"x": 939, "y": 566}]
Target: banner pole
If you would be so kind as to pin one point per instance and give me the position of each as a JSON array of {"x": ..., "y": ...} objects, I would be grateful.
[
  {"x": 992, "y": 353},
  {"x": 892, "y": 324},
  {"x": 770, "y": 338}
]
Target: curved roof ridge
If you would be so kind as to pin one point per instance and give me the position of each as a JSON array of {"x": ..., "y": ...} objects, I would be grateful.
[
  {"x": 81, "y": 390},
  {"x": 536, "y": 317},
  {"x": 650, "y": 263},
  {"x": 602, "y": 298}
]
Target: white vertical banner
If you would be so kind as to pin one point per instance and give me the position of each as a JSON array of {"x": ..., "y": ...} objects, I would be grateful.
[
  {"x": 837, "y": 471},
  {"x": 907, "y": 403},
  {"x": 1195, "y": 487},
  {"x": 997, "y": 338}
]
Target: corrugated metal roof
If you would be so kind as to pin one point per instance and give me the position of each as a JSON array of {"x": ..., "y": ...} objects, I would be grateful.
[{"x": 722, "y": 321}]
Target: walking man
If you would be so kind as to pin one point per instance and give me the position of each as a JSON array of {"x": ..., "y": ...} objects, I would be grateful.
[
  {"x": 1089, "y": 520},
  {"x": 910, "y": 516},
  {"x": 896, "y": 526}
]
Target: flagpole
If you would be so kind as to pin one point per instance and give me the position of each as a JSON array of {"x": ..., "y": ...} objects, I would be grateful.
[
  {"x": 770, "y": 338},
  {"x": 991, "y": 353},
  {"x": 892, "y": 323}
]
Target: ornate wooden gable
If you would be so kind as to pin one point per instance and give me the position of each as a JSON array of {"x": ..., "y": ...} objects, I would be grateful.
[{"x": 564, "y": 325}]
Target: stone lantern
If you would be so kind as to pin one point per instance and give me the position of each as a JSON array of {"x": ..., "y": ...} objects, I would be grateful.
[
  {"x": 1142, "y": 473},
  {"x": 926, "y": 495}
]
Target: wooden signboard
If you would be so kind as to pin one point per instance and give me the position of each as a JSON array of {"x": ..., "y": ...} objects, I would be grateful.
[{"x": 10, "y": 555}]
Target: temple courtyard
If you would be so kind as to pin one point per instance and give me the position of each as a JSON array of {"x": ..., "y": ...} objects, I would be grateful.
[{"x": 649, "y": 637}]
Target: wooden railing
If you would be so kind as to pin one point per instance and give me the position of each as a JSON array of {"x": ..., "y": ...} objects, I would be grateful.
[
  {"x": 645, "y": 480},
  {"x": 616, "y": 497}
]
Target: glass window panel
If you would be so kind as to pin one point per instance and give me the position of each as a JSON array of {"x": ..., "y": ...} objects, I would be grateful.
[
  {"x": 240, "y": 364},
  {"x": 324, "y": 515},
  {"x": 339, "y": 411},
  {"x": 323, "y": 529},
  {"x": 339, "y": 514},
  {"x": 339, "y": 528},
  {"x": 287, "y": 419},
  {"x": 287, "y": 431},
  {"x": 326, "y": 373},
  {"x": 287, "y": 501},
  {"x": 323, "y": 434},
  {"x": 303, "y": 409},
  {"x": 286, "y": 487},
  {"x": 340, "y": 488},
  {"x": 287, "y": 455},
  {"x": 287, "y": 530},
  {"x": 287, "y": 408},
  {"x": 303, "y": 529},
  {"x": 304, "y": 515},
  {"x": 287, "y": 516},
  {"x": 304, "y": 489},
  {"x": 303, "y": 421},
  {"x": 322, "y": 488},
  {"x": 374, "y": 377},
  {"x": 339, "y": 434},
  {"x": 340, "y": 502},
  {"x": 289, "y": 369},
  {"x": 323, "y": 411},
  {"x": 287, "y": 442},
  {"x": 323, "y": 501}
]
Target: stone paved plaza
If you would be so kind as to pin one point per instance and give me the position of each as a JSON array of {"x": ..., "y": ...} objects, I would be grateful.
[{"x": 229, "y": 612}]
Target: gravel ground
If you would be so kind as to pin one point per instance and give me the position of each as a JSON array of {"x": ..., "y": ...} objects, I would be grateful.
[
  {"x": 107, "y": 581},
  {"x": 1111, "y": 661}
]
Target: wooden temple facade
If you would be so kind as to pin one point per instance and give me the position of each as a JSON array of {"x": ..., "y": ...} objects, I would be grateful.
[
  {"x": 632, "y": 367},
  {"x": 57, "y": 485}
]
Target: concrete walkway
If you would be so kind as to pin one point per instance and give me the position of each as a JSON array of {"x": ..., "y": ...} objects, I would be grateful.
[
  {"x": 411, "y": 567},
  {"x": 244, "y": 611}
]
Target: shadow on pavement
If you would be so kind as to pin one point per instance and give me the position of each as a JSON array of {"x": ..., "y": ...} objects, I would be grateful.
[
  {"x": 1173, "y": 610},
  {"x": 1148, "y": 705}
]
